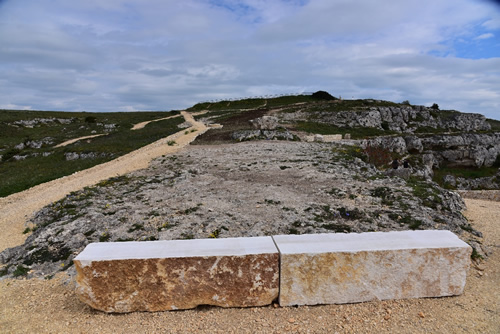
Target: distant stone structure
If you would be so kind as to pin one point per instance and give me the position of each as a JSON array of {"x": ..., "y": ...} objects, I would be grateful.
[{"x": 323, "y": 138}]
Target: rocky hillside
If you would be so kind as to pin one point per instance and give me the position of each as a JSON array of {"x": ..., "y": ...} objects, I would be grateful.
[
  {"x": 287, "y": 165},
  {"x": 459, "y": 150},
  {"x": 247, "y": 189}
]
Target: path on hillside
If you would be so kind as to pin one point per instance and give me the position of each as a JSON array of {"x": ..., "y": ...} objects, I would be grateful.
[
  {"x": 137, "y": 126},
  {"x": 16, "y": 209},
  {"x": 143, "y": 124},
  {"x": 71, "y": 141}
]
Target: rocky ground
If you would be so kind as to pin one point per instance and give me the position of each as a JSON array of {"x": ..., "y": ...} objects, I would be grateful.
[
  {"x": 51, "y": 306},
  {"x": 246, "y": 189}
]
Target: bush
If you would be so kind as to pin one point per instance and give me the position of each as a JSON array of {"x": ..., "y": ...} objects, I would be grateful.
[
  {"x": 322, "y": 95},
  {"x": 377, "y": 155},
  {"x": 10, "y": 154},
  {"x": 497, "y": 161},
  {"x": 435, "y": 106}
]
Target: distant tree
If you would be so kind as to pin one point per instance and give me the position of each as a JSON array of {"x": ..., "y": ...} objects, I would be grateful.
[
  {"x": 322, "y": 95},
  {"x": 435, "y": 106},
  {"x": 406, "y": 102}
]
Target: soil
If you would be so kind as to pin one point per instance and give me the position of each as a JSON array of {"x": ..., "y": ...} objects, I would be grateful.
[{"x": 51, "y": 306}]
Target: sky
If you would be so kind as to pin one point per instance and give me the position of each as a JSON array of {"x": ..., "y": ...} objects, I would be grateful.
[{"x": 131, "y": 55}]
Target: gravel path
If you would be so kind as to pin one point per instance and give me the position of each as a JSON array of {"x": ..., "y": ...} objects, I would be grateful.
[
  {"x": 74, "y": 140},
  {"x": 17, "y": 208},
  {"x": 38, "y": 306}
]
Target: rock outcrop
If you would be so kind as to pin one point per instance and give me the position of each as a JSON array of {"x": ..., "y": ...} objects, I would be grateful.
[
  {"x": 265, "y": 123},
  {"x": 453, "y": 150},
  {"x": 405, "y": 119}
]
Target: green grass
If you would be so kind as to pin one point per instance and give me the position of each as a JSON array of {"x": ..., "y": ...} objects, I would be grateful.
[
  {"x": 267, "y": 103},
  {"x": 495, "y": 124},
  {"x": 11, "y": 135},
  {"x": 229, "y": 105},
  {"x": 428, "y": 193},
  {"x": 23, "y": 174},
  {"x": 466, "y": 173}
]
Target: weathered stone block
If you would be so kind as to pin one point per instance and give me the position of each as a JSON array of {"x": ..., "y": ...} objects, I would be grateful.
[
  {"x": 351, "y": 268},
  {"x": 178, "y": 274}
]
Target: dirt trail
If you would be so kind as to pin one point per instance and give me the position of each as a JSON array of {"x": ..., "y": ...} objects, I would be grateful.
[
  {"x": 71, "y": 141},
  {"x": 17, "y": 208},
  {"x": 51, "y": 306},
  {"x": 143, "y": 124}
]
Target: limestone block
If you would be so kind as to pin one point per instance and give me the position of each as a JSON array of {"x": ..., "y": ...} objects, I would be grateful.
[
  {"x": 331, "y": 138},
  {"x": 351, "y": 268},
  {"x": 319, "y": 138},
  {"x": 178, "y": 274}
]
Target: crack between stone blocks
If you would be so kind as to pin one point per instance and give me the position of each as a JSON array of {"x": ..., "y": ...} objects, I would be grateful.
[{"x": 279, "y": 267}]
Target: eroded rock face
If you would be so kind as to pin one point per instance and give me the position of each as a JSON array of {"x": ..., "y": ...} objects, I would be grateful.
[
  {"x": 179, "y": 274},
  {"x": 351, "y": 268}
]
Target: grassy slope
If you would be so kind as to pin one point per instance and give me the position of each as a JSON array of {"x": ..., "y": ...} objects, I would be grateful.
[{"x": 19, "y": 175}]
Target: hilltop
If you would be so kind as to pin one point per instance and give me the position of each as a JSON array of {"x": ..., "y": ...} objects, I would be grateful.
[{"x": 459, "y": 150}]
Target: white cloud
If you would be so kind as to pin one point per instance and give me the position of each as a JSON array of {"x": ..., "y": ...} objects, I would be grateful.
[
  {"x": 485, "y": 36},
  {"x": 132, "y": 55}
]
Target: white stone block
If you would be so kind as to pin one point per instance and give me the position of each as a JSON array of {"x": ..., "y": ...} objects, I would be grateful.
[
  {"x": 178, "y": 274},
  {"x": 351, "y": 268}
]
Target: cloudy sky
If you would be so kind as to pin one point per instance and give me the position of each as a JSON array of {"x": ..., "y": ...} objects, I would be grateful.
[{"x": 124, "y": 55}]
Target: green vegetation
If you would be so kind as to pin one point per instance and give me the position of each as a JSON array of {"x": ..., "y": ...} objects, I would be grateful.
[
  {"x": 252, "y": 103},
  {"x": 336, "y": 227},
  {"x": 495, "y": 124},
  {"x": 20, "y": 271},
  {"x": 105, "y": 236},
  {"x": 322, "y": 95},
  {"x": 475, "y": 255},
  {"x": 135, "y": 227},
  {"x": 48, "y": 254},
  {"x": 48, "y": 163},
  {"x": 445, "y": 115},
  {"x": 349, "y": 152},
  {"x": 428, "y": 193},
  {"x": 385, "y": 194},
  {"x": 413, "y": 224},
  {"x": 466, "y": 173}
]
